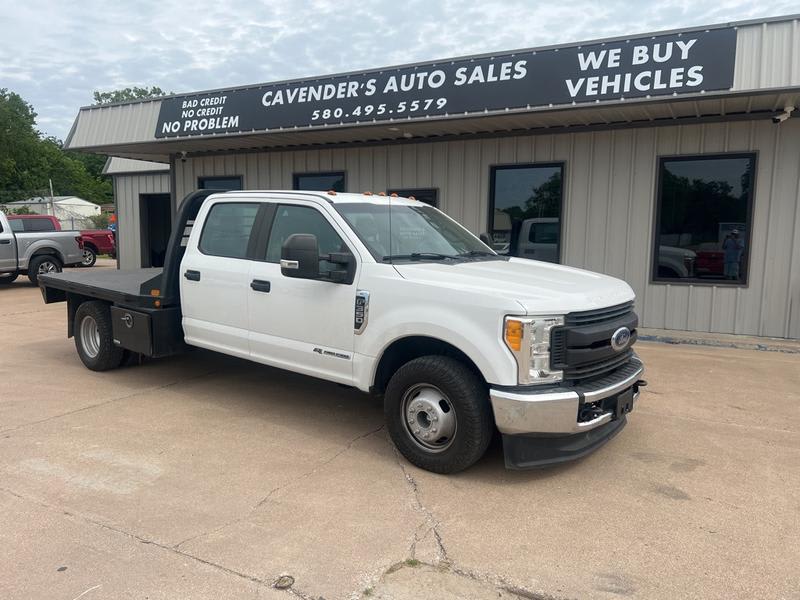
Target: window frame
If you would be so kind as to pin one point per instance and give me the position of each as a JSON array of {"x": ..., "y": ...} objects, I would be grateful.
[
  {"x": 697, "y": 281},
  {"x": 562, "y": 164},
  {"x": 257, "y": 223},
  {"x": 204, "y": 179},
  {"x": 406, "y": 192},
  {"x": 296, "y": 177}
]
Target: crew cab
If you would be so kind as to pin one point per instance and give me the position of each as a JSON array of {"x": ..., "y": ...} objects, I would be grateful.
[
  {"x": 93, "y": 241},
  {"x": 35, "y": 252},
  {"x": 387, "y": 295}
]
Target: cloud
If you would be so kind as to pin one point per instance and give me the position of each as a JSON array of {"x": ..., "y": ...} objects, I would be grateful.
[{"x": 183, "y": 47}]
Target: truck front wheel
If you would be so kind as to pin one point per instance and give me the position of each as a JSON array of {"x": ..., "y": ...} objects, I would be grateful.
[
  {"x": 94, "y": 339},
  {"x": 8, "y": 278},
  {"x": 438, "y": 414}
]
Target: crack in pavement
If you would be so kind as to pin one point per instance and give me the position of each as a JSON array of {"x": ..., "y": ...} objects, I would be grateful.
[
  {"x": 443, "y": 559},
  {"x": 137, "y": 537},
  {"x": 105, "y": 402},
  {"x": 430, "y": 519},
  {"x": 283, "y": 486},
  {"x": 325, "y": 462}
]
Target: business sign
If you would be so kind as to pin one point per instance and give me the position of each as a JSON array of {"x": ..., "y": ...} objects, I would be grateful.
[{"x": 686, "y": 63}]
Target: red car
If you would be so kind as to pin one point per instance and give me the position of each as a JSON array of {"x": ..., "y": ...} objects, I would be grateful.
[{"x": 93, "y": 241}]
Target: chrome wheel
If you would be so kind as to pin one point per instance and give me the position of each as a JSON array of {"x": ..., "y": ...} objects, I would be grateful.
[
  {"x": 90, "y": 337},
  {"x": 429, "y": 417},
  {"x": 88, "y": 258},
  {"x": 47, "y": 266}
]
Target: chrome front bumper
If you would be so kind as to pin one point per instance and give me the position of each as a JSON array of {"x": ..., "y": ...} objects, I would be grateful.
[{"x": 555, "y": 410}]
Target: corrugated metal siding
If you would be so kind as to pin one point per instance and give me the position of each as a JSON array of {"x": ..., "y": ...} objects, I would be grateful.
[
  {"x": 115, "y": 124},
  {"x": 127, "y": 189},
  {"x": 608, "y": 210},
  {"x": 767, "y": 55}
]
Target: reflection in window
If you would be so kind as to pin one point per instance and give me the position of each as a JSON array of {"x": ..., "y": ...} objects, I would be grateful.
[
  {"x": 304, "y": 219},
  {"x": 426, "y": 195},
  {"x": 703, "y": 218},
  {"x": 220, "y": 183},
  {"x": 227, "y": 229},
  {"x": 319, "y": 182},
  {"x": 526, "y": 211}
]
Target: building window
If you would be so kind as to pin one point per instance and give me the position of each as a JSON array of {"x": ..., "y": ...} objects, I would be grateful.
[
  {"x": 227, "y": 182},
  {"x": 319, "y": 182},
  {"x": 426, "y": 195},
  {"x": 227, "y": 229},
  {"x": 525, "y": 210},
  {"x": 703, "y": 218}
]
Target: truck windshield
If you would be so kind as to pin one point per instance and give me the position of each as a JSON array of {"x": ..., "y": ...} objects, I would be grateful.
[{"x": 414, "y": 233}]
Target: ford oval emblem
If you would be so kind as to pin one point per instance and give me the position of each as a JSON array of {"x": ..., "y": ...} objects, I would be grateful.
[{"x": 620, "y": 339}]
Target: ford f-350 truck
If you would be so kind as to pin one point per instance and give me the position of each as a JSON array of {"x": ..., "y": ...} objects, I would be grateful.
[{"x": 390, "y": 296}]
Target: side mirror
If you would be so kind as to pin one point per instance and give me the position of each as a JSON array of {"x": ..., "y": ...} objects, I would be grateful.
[
  {"x": 300, "y": 256},
  {"x": 484, "y": 237}
]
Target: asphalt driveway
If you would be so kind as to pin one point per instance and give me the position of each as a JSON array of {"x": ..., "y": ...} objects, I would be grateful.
[{"x": 204, "y": 476}]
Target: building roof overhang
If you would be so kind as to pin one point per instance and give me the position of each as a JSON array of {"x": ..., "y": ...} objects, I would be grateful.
[{"x": 766, "y": 79}]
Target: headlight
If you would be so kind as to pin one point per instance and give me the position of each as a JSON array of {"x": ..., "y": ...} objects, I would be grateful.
[{"x": 528, "y": 339}]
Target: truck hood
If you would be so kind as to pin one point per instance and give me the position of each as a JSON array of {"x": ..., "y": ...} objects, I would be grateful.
[{"x": 539, "y": 287}]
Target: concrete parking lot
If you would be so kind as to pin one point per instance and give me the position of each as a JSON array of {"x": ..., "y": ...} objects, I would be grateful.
[{"x": 204, "y": 476}]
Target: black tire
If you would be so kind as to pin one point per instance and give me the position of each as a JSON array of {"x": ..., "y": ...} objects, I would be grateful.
[
  {"x": 89, "y": 257},
  {"x": 96, "y": 350},
  {"x": 6, "y": 278},
  {"x": 46, "y": 263},
  {"x": 462, "y": 391}
]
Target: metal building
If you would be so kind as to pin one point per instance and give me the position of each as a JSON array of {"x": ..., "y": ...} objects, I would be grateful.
[{"x": 671, "y": 159}]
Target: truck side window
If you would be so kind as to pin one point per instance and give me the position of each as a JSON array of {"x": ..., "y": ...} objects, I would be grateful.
[
  {"x": 303, "y": 219},
  {"x": 17, "y": 225},
  {"x": 38, "y": 225},
  {"x": 227, "y": 229}
]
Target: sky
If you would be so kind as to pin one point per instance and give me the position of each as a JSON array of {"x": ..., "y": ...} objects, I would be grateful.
[{"x": 56, "y": 53}]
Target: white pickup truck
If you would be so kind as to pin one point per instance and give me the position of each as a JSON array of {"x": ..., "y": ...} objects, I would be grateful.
[
  {"x": 34, "y": 253},
  {"x": 387, "y": 295}
]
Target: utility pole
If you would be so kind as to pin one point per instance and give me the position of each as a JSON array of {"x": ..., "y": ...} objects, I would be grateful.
[{"x": 52, "y": 200}]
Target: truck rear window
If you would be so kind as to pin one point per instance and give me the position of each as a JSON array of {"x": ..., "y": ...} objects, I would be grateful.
[{"x": 38, "y": 225}]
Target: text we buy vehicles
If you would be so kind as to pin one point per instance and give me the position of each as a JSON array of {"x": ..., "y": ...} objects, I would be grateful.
[{"x": 389, "y": 296}]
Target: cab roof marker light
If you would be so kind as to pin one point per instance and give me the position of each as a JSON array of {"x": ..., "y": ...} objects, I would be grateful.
[
  {"x": 368, "y": 193},
  {"x": 331, "y": 192}
]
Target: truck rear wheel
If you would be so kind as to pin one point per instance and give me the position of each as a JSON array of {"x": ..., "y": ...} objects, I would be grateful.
[
  {"x": 41, "y": 265},
  {"x": 89, "y": 257},
  {"x": 94, "y": 339},
  {"x": 438, "y": 414}
]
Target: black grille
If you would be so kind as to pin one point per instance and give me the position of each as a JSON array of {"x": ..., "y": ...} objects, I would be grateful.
[
  {"x": 599, "y": 315},
  {"x": 582, "y": 347}
]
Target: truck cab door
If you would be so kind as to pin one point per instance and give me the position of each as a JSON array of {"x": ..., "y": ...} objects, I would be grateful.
[
  {"x": 8, "y": 248},
  {"x": 303, "y": 325},
  {"x": 214, "y": 277}
]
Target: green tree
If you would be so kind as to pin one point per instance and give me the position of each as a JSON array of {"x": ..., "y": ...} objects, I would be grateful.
[
  {"x": 128, "y": 94},
  {"x": 29, "y": 161}
]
